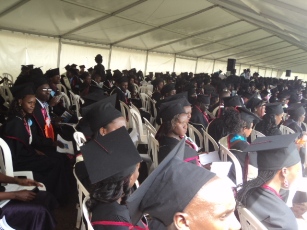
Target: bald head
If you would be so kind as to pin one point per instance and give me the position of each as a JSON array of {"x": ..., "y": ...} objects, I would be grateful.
[{"x": 211, "y": 208}]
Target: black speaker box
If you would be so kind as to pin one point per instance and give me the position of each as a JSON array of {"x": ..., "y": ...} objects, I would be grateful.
[
  {"x": 288, "y": 73},
  {"x": 231, "y": 64}
]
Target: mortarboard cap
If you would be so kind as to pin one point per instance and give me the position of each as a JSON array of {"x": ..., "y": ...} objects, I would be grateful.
[
  {"x": 90, "y": 69},
  {"x": 170, "y": 109},
  {"x": 101, "y": 113},
  {"x": 274, "y": 108},
  {"x": 82, "y": 66},
  {"x": 254, "y": 102},
  {"x": 247, "y": 95},
  {"x": 182, "y": 96},
  {"x": 275, "y": 152},
  {"x": 247, "y": 116},
  {"x": 52, "y": 72},
  {"x": 296, "y": 109},
  {"x": 94, "y": 96},
  {"x": 73, "y": 66},
  {"x": 30, "y": 66},
  {"x": 20, "y": 91},
  {"x": 67, "y": 67},
  {"x": 203, "y": 99},
  {"x": 105, "y": 158},
  {"x": 38, "y": 81},
  {"x": 232, "y": 101},
  {"x": 161, "y": 195}
]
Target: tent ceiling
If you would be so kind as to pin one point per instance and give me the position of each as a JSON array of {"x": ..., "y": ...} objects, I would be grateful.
[{"x": 255, "y": 32}]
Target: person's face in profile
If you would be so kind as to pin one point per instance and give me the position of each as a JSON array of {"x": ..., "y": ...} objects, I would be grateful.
[
  {"x": 278, "y": 118},
  {"x": 124, "y": 86},
  {"x": 27, "y": 104},
  {"x": 180, "y": 126},
  {"x": 43, "y": 92},
  {"x": 188, "y": 111}
]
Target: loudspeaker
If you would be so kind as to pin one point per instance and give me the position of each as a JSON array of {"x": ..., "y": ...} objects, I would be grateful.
[
  {"x": 231, "y": 64},
  {"x": 288, "y": 73}
]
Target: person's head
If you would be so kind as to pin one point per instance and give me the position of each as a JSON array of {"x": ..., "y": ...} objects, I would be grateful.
[
  {"x": 122, "y": 83},
  {"x": 103, "y": 117},
  {"x": 54, "y": 76},
  {"x": 200, "y": 201},
  {"x": 97, "y": 78},
  {"x": 24, "y": 100},
  {"x": 88, "y": 79},
  {"x": 256, "y": 106},
  {"x": 211, "y": 208},
  {"x": 275, "y": 111},
  {"x": 112, "y": 168},
  {"x": 203, "y": 102},
  {"x": 247, "y": 120},
  {"x": 297, "y": 112},
  {"x": 131, "y": 80},
  {"x": 98, "y": 59},
  {"x": 168, "y": 90},
  {"x": 42, "y": 93}
]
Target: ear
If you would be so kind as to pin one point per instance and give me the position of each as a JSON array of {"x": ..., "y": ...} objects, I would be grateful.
[
  {"x": 181, "y": 221},
  {"x": 284, "y": 172},
  {"x": 102, "y": 131}
]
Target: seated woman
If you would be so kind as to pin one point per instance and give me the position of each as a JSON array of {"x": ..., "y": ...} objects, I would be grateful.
[
  {"x": 17, "y": 132},
  {"x": 256, "y": 106},
  {"x": 173, "y": 129},
  {"x": 278, "y": 167},
  {"x": 27, "y": 209},
  {"x": 239, "y": 123},
  {"x": 157, "y": 86},
  {"x": 269, "y": 125},
  {"x": 113, "y": 170}
]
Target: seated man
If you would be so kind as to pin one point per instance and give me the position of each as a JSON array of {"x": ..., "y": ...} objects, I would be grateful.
[{"x": 180, "y": 195}]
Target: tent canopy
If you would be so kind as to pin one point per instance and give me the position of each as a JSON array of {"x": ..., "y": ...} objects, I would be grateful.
[{"x": 255, "y": 32}]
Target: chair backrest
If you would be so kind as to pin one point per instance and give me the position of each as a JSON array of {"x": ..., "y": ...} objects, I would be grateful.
[
  {"x": 255, "y": 134},
  {"x": 194, "y": 132},
  {"x": 75, "y": 100},
  {"x": 138, "y": 122},
  {"x": 154, "y": 150},
  {"x": 136, "y": 88},
  {"x": 86, "y": 214},
  {"x": 62, "y": 88},
  {"x": 215, "y": 111},
  {"x": 80, "y": 139},
  {"x": 66, "y": 101},
  {"x": 150, "y": 126},
  {"x": 126, "y": 114},
  {"x": 8, "y": 76},
  {"x": 248, "y": 220},
  {"x": 286, "y": 130},
  {"x": 207, "y": 138},
  {"x": 225, "y": 153},
  {"x": 305, "y": 126},
  {"x": 145, "y": 101},
  {"x": 6, "y": 163}
]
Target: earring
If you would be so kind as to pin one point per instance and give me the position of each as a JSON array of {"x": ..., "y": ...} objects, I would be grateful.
[
  {"x": 19, "y": 105},
  {"x": 286, "y": 183}
]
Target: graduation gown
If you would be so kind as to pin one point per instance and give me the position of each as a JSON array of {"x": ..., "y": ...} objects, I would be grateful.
[
  {"x": 112, "y": 212},
  {"x": 216, "y": 129},
  {"x": 168, "y": 143},
  {"x": 274, "y": 132},
  {"x": 198, "y": 117},
  {"x": 48, "y": 169},
  {"x": 271, "y": 210},
  {"x": 120, "y": 96}
]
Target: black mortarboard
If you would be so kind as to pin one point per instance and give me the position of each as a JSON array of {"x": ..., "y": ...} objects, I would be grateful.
[
  {"x": 101, "y": 113},
  {"x": 167, "y": 88},
  {"x": 247, "y": 95},
  {"x": 284, "y": 94},
  {"x": 247, "y": 116},
  {"x": 122, "y": 79},
  {"x": 203, "y": 99},
  {"x": 232, "y": 101},
  {"x": 52, "y": 72},
  {"x": 296, "y": 109},
  {"x": 164, "y": 193},
  {"x": 30, "y": 66},
  {"x": 170, "y": 109},
  {"x": 67, "y": 67},
  {"x": 20, "y": 91},
  {"x": 274, "y": 108},
  {"x": 82, "y": 66},
  {"x": 183, "y": 96},
  {"x": 94, "y": 96},
  {"x": 73, "y": 66},
  {"x": 105, "y": 158},
  {"x": 90, "y": 69},
  {"x": 275, "y": 152},
  {"x": 38, "y": 81}
]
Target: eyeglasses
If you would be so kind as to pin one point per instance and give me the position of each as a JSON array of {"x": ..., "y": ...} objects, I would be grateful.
[{"x": 47, "y": 90}]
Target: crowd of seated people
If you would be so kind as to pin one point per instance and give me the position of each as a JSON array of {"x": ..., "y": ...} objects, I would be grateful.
[{"x": 180, "y": 193}]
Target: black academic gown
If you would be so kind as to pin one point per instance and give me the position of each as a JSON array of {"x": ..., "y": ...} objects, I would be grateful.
[
  {"x": 198, "y": 117},
  {"x": 46, "y": 169},
  {"x": 112, "y": 212},
  {"x": 259, "y": 127},
  {"x": 120, "y": 96},
  {"x": 168, "y": 143},
  {"x": 271, "y": 210},
  {"x": 216, "y": 130}
]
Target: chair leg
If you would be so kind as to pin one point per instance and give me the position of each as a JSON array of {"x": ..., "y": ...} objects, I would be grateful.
[{"x": 78, "y": 222}]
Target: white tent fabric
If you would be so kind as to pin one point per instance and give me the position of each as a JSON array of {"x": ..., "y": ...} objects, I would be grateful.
[{"x": 154, "y": 35}]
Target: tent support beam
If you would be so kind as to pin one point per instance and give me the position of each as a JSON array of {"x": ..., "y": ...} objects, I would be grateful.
[
  {"x": 13, "y": 7},
  {"x": 165, "y": 24},
  {"x": 220, "y": 40},
  {"x": 59, "y": 52},
  {"x": 146, "y": 62},
  {"x": 110, "y": 56},
  {"x": 174, "y": 64}
]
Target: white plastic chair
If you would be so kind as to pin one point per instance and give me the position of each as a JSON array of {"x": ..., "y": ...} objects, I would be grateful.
[
  {"x": 139, "y": 126},
  {"x": 62, "y": 88},
  {"x": 154, "y": 150},
  {"x": 192, "y": 132},
  {"x": 82, "y": 192},
  {"x": 305, "y": 126},
  {"x": 80, "y": 139},
  {"x": 87, "y": 214},
  {"x": 6, "y": 163},
  {"x": 225, "y": 153},
  {"x": 66, "y": 101},
  {"x": 125, "y": 110},
  {"x": 255, "y": 134},
  {"x": 8, "y": 76},
  {"x": 286, "y": 130},
  {"x": 214, "y": 112},
  {"x": 75, "y": 100},
  {"x": 248, "y": 220},
  {"x": 207, "y": 138}
]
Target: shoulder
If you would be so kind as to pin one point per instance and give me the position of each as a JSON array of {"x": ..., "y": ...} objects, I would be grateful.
[{"x": 111, "y": 212}]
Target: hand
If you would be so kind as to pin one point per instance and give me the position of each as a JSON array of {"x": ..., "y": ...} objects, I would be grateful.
[
  {"x": 27, "y": 182},
  {"x": 39, "y": 152},
  {"x": 24, "y": 195},
  {"x": 54, "y": 101}
]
